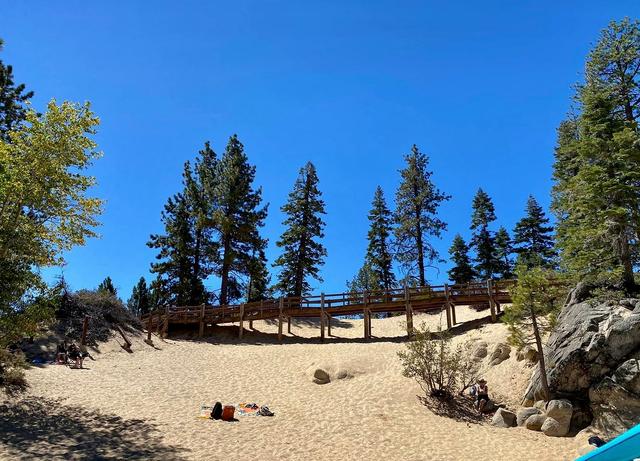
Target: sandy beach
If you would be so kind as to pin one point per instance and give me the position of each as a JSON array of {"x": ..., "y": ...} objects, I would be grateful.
[{"x": 145, "y": 405}]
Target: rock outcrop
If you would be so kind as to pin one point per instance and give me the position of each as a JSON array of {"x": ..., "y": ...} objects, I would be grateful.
[
  {"x": 593, "y": 355},
  {"x": 503, "y": 418},
  {"x": 523, "y": 414},
  {"x": 499, "y": 354}
]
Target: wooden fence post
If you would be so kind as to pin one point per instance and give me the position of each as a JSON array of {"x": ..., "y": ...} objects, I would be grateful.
[
  {"x": 322, "y": 316},
  {"x": 280, "y": 319},
  {"x": 241, "y": 330},
  {"x": 492, "y": 304},
  {"x": 201, "y": 330},
  {"x": 364, "y": 314},
  {"x": 409, "y": 309},
  {"x": 450, "y": 314}
]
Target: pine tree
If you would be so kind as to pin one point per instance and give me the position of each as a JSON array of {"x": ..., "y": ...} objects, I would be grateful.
[
  {"x": 303, "y": 253},
  {"x": 140, "y": 301},
  {"x": 597, "y": 170},
  {"x": 417, "y": 203},
  {"x": 533, "y": 239},
  {"x": 379, "y": 258},
  {"x": 176, "y": 256},
  {"x": 366, "y": 279},
  {"x": 107, "y": 286},
  {"x": 504, "y": 250},
  {"x": 259, "y": 277},
  {"x": 13, "y": 99},
  {"x": 237, "y": 219},
  {"x": 462, "y": 271},
  {"x": 483, "y": 240}
]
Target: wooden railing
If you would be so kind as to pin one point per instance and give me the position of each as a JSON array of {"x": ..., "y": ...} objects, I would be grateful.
[{"x": 324, "y": 306}]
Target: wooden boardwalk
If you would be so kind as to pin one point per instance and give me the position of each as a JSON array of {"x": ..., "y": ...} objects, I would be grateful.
[{"x": 325, "y": 306}]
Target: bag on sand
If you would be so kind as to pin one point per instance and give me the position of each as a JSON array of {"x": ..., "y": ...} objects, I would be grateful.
[
  {"x": 228, "y": 412},
  {"x": 216, "y": 412}
]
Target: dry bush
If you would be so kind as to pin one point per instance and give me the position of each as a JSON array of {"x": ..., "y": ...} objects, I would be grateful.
[
  {"x": 12, "y": 365},
  {"x": 440, "y": 370}
]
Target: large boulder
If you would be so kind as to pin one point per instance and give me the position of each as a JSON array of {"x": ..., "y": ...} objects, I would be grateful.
[
  {"x": 524, "y": 413},
  {"x": 499, "y": 353},
  {"x": 503, "y": 418},
  {"x": 320, "y": 376},
  {"x": 479, "y": 351},
  {"x": 558, "y": 420},
  {"x": 593, "y": 356},
  {"x": 527, "y": 353},
  {"x": 535, "y": 422}
]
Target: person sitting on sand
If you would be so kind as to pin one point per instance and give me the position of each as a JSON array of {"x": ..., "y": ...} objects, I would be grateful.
[
  {"x": 61, "y": 353},
  {"x": 482, "y": 394},
  {"x": 76, "y": 355}
]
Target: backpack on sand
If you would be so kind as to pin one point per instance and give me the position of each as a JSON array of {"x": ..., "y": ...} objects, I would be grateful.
[{"x": 216, "y": 411}]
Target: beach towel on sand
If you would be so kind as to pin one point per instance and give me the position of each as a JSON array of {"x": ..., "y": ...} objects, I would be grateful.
[{"x": 247, "y": 409}]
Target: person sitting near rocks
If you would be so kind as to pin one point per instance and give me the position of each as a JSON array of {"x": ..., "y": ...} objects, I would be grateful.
[
  {"x": 61, "y": 353},
  {"x": 482, "y": 394},
  {"x": 76, "y": 355}
]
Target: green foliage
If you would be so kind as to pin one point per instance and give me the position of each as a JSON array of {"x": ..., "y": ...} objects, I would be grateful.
[
  {"x": 12, "y": 365},
  {"x": 366, "y": 279},
  {"x": 140, "y": 302},
  {"x": 537, "y": 298},
  {"x": 533, "y": 239},
  {"x": 417, "y": 203},
  {"x": 379, "y": 258},
  {"x": 462, "y": 271},
  {"x": 44, "y": 206},
  {"x": 438, "y": 367},
  {"x": 597, "y": 169},
  {"x": 107, "y": 286},
  {"x": 13, "y": 101},
  {"x": 303, "y": 254},
  {"x": 258, "y": 286},
  {"x": 483, "y": 240},
  {"x": 236, "y": 219},
  {"x": 504, "y": 249}
]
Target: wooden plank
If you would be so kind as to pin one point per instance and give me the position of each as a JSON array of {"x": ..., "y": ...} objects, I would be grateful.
[
  {"x": 492, "y": 304},
  {"x": 280, "y": 318},
  {"x": 241, "y": 330},
  {"x": 322, "y": 317},
  {"x": 409, "y": 311},
  {"x": 201, "y": 330}
]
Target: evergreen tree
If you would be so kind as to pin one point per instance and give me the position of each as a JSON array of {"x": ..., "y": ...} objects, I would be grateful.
[
  {"x": 533, "y": 239},
  {"x": 259, "y": 277},
  {"x": 107, "y": 286},
  {"x": 417, "y": 203},
  {"x": 140, "y": 301},
  {"x": 176, "y": 255},
  {"x": 237, "y": 219},
  {"x": 13, "y": 100},
  {"x": 597, "y": 170},
  {"x": 504, "y": 250},
  {"x": 379, "y": 258},
  {"x": 482, "y": 240},
  {"x": 303, "y": 253},
  {"x": 462, "y": 271},
  {"x": 366, "y": 279}
]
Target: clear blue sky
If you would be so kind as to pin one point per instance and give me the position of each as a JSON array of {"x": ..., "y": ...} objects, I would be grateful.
[{"x": 479, "y": 86}]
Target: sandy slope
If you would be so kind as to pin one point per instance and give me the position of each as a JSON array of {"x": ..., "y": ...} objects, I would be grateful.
[{"x": 144, "y": 405}]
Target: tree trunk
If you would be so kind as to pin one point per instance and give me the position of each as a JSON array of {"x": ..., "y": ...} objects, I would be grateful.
[
  {"x": 224, "y": 276},
  {"x": 543, "y": 368}
]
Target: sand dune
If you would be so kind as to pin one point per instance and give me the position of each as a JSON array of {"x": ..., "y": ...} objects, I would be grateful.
[{"x": 144, "y": 405}]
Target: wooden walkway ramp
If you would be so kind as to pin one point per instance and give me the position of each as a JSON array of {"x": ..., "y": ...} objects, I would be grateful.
[{"x": 325, "y": 306}]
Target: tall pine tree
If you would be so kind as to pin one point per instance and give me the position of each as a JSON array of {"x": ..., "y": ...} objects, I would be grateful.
[
  {"x": 379, "y": 258},
  {"x": 107, "y": 286},
  {"x": 504, "y": 250},
  {"x": 533, "y": 238},
  {"x": 13, "y": 100},
  {"x": 303, "y": 253},
  {"x": 236, "y": 220},
  {"x": 416, "y": 216},
  {"x": 596, "y": 196},
  {"x": 482, "y": 239},
  {"x": 140, "y": 301},
  {"x": 462, "y": 270}
]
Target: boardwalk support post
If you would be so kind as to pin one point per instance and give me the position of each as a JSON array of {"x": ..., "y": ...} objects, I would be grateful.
[
  {"x": 201, "y": 330},
  {"x": 492, "y": 303},
  {"x": 241, "y": 321},
  {"x": 251, "y": 325},
  {"x": 449, "y": 306},
  {"x": 289, "y": 325},
  {"x": 322, "y": 316},
  {"x": 409, "y": 309},
  {"x": 328, "y": 324},
  {"x": 280, "y": 318},
  {"x": 365, "y": 315}
]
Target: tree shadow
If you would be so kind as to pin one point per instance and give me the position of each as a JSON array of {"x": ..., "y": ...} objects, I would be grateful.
[
  {"x": 457, "y": 407},
  {"x": 39, "y": 428}
]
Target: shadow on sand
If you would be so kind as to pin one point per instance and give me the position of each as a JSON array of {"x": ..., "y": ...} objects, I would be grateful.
[{"x": 38, "y": 428}]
